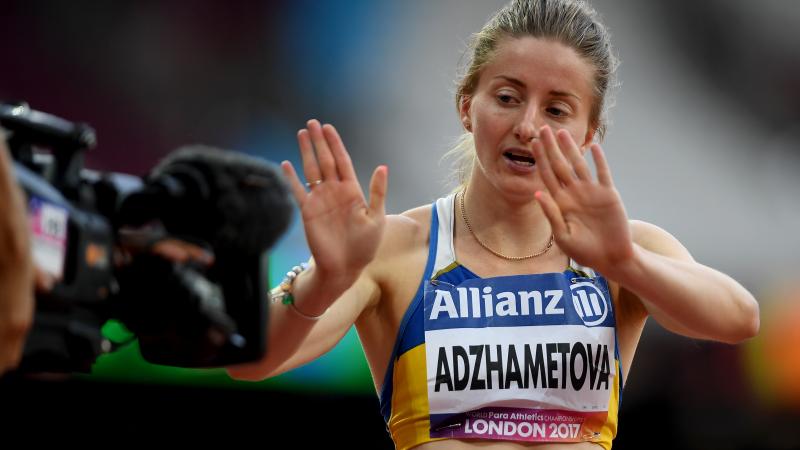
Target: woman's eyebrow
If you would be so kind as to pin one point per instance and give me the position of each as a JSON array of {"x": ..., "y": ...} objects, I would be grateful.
[
  {"x": 521, "y": 84},
  {"x": 564, "y": 94},
  {"x": 511, "y": 80}
]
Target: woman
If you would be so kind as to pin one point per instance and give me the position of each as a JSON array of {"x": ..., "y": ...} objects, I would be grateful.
[{"x": 508, "y": 311}]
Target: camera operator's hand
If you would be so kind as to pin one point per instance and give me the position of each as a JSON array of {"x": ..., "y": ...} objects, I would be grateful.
[
  {"x": 133, "y": 241},
  {"x": 16, "y": 268},
  {"x": 181, "y": 251}
]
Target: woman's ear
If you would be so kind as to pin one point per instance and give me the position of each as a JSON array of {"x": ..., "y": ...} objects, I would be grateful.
[
  {"x": 588, "y": 139},
  {"x": 465, "y": 113}
]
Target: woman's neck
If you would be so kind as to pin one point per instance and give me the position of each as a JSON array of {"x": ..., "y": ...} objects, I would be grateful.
[{"x": 507, "y": 225}]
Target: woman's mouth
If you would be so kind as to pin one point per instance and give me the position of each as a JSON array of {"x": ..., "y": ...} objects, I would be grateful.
[{"x": 519, "y": 159}]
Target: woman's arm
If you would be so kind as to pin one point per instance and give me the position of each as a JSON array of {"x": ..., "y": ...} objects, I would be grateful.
[
  {"x": 294, "y": 340},
  {"x": 343, "y": 232},
  {"x": 682, "y": 295},
  {"x": 590, "y": 225}
]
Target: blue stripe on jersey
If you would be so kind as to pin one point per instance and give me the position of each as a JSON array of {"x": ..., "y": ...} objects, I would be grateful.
[{"x": 401, "y": 342}]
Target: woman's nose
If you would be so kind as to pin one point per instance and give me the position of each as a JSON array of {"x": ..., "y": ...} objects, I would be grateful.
[{"x": 527, "y": 126}]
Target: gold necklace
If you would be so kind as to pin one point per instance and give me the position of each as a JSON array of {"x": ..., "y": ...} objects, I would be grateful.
[{"x": 511, "y": 258}]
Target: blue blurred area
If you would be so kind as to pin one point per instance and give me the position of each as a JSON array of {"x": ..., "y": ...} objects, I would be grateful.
[{"x": 332, "y": 47}]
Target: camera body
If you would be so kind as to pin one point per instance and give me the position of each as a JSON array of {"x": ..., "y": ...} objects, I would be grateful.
[
  {"x": 92, "y": 231},
  {"x": 75, "y": 245}
]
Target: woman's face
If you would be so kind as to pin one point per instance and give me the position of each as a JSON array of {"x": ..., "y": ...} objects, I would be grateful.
[{"x": 529, "y": 83}]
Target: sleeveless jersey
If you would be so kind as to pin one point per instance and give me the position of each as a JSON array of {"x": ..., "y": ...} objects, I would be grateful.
[{"x": 523, "y": 358}]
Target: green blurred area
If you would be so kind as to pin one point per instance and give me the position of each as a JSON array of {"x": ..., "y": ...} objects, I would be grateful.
[{"x": 342, "y": 370}]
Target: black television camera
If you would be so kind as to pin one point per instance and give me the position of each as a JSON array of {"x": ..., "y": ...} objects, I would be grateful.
[{"x": 184, "y": 314}]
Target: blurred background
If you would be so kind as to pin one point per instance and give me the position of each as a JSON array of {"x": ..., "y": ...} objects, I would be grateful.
[{"x": 703, "y": 142}]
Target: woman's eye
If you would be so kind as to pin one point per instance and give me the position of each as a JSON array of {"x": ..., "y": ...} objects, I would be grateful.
[
  {"x": 505, "y": 98},
  {"x": 558, "y": 112}
]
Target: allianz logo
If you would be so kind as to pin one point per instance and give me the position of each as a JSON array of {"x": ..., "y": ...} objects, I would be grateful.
[{"x": 588, "y": 301}]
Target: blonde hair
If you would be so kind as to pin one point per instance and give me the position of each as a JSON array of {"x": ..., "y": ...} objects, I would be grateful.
[{"x": 571, "y": 22}]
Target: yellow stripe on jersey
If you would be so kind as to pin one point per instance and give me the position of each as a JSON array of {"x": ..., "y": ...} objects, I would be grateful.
[{"x": 409, "y": 423}]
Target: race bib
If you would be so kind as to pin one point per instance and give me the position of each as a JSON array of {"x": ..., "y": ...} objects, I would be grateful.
[{"x": 528, "y": 357}]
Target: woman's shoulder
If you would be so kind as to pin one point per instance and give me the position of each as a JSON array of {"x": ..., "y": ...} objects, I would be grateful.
[
  {"x": 411, "y": 225},
  {"x": 420, "y": 215},
  {"x": 405, "y": 238},
  {"x": 642, "y": 231},
  {"x": 656, "y": 239}
]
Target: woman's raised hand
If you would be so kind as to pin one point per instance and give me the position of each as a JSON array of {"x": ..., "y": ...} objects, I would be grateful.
[
  {"x": 343, "y": 230},
  {"x": 587, "y": 215}
]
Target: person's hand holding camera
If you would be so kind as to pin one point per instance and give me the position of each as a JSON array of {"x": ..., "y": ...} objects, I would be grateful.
[{"x": 16, "y": 268}]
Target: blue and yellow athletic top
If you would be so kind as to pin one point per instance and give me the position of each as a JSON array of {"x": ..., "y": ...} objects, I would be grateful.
[{"x": 524, "y": 358}]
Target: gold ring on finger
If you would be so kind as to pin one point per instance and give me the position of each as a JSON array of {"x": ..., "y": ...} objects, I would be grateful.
[{"x": 311, "y": 184}]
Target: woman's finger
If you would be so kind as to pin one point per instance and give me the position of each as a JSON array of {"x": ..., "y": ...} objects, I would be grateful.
[
  {"x": 377, "y": 191},
  {"x": 326, "y": 163},
  {"x": 310, "y": 166},
  {"x": 544, "y": 168},
  {"x": 561, "y": 167},
  {"x": 573, "y": 154},
  {"x": 298, "y": 190},
  {"x": 344, "y": 166},
  {"x": 553, "y": 213},
  {"x": 600, "y": 163}
]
